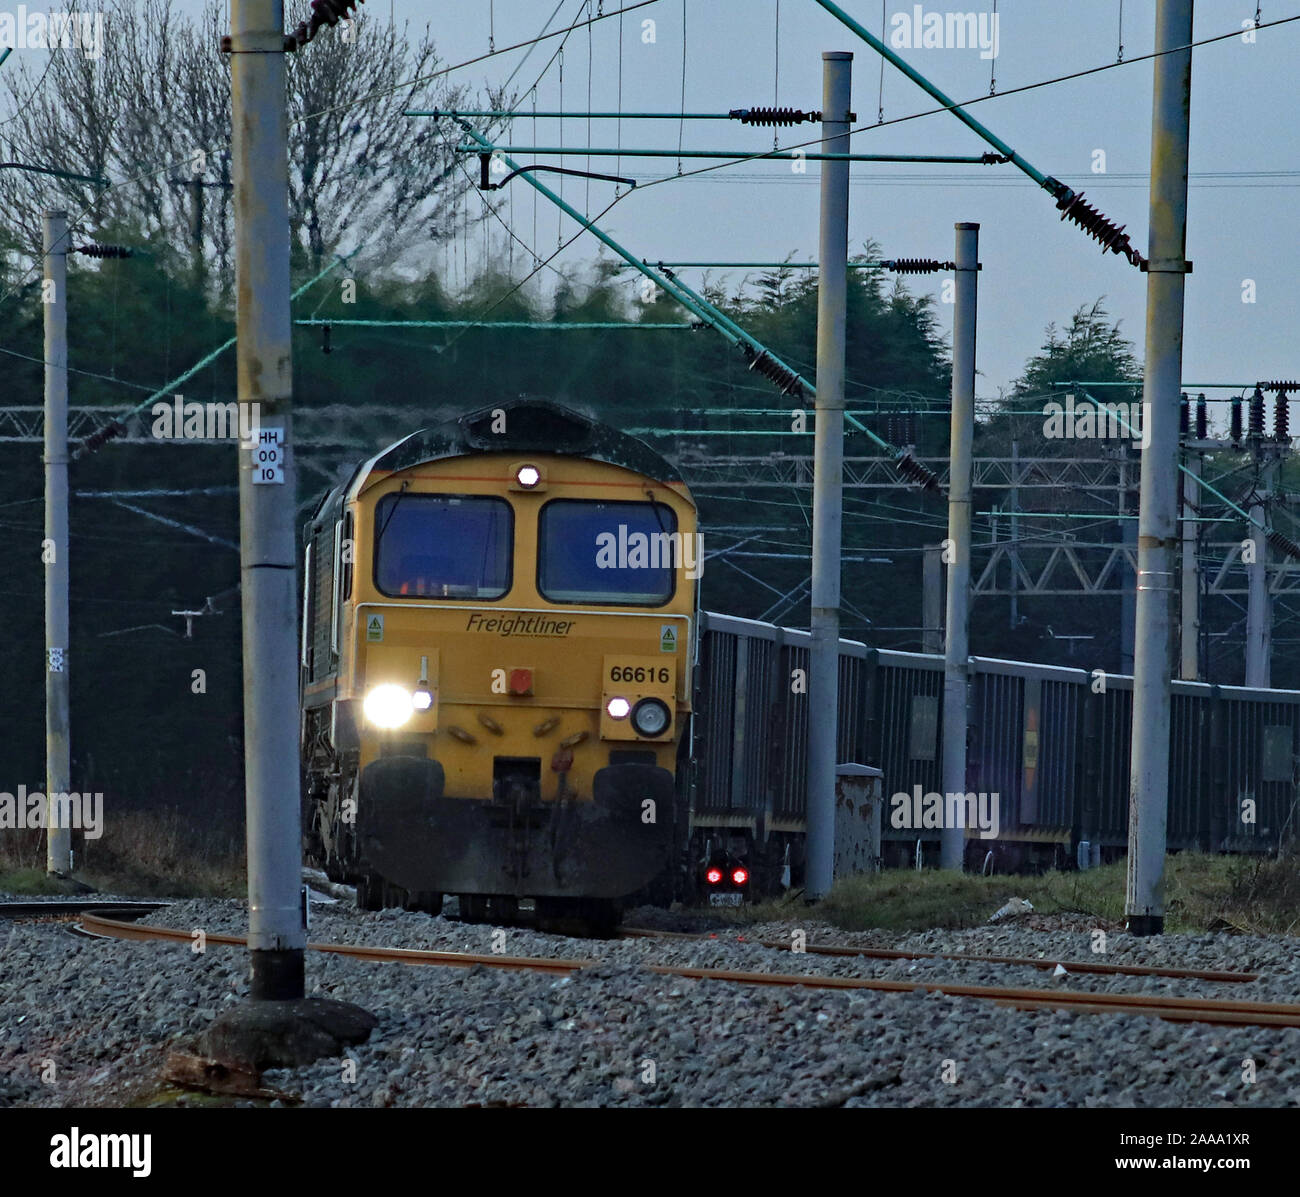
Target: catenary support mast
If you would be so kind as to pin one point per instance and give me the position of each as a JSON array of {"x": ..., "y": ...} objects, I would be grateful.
[
  {"x": 58, "y": 838},
  {"x": 956, "y": 663},
  {"x": 828, "y": 477},
  {"x": 1155, "y": 652},
  {"x": 277, "y": 936}
]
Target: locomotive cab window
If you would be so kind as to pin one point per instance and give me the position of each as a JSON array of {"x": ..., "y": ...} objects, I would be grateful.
[
  {"x": 443, "y": 546},
  {"x": 597, "y": 552}
]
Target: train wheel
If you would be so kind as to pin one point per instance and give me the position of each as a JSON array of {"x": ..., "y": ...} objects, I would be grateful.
[
  {"x": 602, "y": 917},
  {"x": 597, "y": 918},
  {"x": 370, "y": 892},
  {"x": 424, "y": 900}
]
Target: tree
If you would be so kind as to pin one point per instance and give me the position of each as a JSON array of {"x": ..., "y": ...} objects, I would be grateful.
[
  {"x": 156, "y": 121},
  {"x": 1089, "y": 349}
]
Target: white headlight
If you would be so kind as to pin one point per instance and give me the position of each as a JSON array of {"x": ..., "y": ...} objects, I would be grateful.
[
  {"x": 422, "y": 699},
  {"x": 388, "y": 706},
  {"x": 618, "y": 708},
  {"x": 528, "y": 476}
]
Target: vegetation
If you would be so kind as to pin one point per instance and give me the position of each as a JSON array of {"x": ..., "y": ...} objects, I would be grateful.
[
  {"x": 161, "y": 853},
  {"x": 1257, "y": 895}
]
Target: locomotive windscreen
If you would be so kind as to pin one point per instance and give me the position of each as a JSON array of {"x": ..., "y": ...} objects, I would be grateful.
[
  {"x": 593, "y": 552},
  {"x": 443, "y": 546}
]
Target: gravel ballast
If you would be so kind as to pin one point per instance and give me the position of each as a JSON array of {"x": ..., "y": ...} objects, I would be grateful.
[{"x": 89, "y": 1023}]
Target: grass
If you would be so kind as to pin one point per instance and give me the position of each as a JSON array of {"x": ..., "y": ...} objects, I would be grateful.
[
  {"x": 164, "y": 854},
  {"x": 1256, "y": 895},
  {"x": 143, "y": 853}
]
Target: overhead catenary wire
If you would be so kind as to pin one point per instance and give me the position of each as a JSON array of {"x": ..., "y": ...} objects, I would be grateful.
[{"x": 951, "y": 105}]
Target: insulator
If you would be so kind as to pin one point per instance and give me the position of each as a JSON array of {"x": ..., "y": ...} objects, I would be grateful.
[
  {"x": 1281, "y": 418},
  {"x": 917, "y": 265},
  {"x": 104, "y": 251},
  {"x": 323, "y": 12},
  {"x": 1289, "y": 385},
  {"x": 773, "y": 116},
  {"x": 1283, "y": 544},
  {"x": 989, "y": 158},
  {"x": 1202, "y": 419},
  {"x": 1236, "y": 419},
  {"x": 330, "y": 12},
  {"x": 1184, "y": 415},
  {"x": 785, "y": 378},
  {"x": 110, "y": 430},
  {"x": 914, "y": 471},
  {"x": 1112, "y": 236},
  {"x": 1257, "y": 414}
]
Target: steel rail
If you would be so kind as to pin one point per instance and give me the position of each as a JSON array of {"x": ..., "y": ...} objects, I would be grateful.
[
  {"x": 1174, "y": 1009},
  {"x": 99, "y": 924},
  {"x": 75, "y": 906},
  {"x": 1070, "y": 966}
]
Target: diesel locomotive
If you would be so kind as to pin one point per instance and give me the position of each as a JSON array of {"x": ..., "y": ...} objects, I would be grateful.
[{"x": 499, "y": 628}]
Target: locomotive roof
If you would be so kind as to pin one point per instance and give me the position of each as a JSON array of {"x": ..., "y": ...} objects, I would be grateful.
[{"x": 531, "y": 426}]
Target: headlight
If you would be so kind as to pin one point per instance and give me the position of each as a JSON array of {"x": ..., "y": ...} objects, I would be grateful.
[
  {"x": 422, "y": 699},
  {"x": 388, "y": 706},
  {"x": 618, "y": 708},
  {"x": 651, "y": 717},
  {"x": 528, "y": 476}
]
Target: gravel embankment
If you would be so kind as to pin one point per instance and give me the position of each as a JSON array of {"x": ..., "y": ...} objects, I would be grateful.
[{"x": 104, "y": 1015}]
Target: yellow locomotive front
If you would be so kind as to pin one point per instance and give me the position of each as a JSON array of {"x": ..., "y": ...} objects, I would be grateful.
[{"x": 504, "y": 675}]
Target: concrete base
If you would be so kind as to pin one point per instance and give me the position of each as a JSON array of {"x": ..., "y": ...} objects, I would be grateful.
[
  {"x": 256, "y": 1035},
  {"x": 1145, "y": 924}
]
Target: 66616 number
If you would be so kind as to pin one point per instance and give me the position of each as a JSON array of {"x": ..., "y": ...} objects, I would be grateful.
[{"x": 640, "y": 673}]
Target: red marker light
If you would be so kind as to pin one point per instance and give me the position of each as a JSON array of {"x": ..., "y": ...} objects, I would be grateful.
[
  {"x": 713, "y": 876},
  {"x": 739, "y": 876},
  {"x": 521, "y": 681}
]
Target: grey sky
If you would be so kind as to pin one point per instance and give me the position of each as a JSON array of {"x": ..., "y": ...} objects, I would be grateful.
[{"x": 1035, "y": 268}]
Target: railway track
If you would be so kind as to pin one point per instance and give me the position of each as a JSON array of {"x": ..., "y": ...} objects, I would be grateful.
[
  {"x": 71, "y": 907},
  {"x": 1070, "y": 966},
  {"x": 98, "y": 923}
]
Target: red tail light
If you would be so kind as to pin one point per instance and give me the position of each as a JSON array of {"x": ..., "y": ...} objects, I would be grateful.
[
  {"x": 739, "y": 876},
  {"x": 713, "y": 876},
  {"x": 521, "y": 682}
]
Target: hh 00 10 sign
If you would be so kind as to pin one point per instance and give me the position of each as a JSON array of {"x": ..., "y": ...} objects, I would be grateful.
[{"x": 268, "y": 455}]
